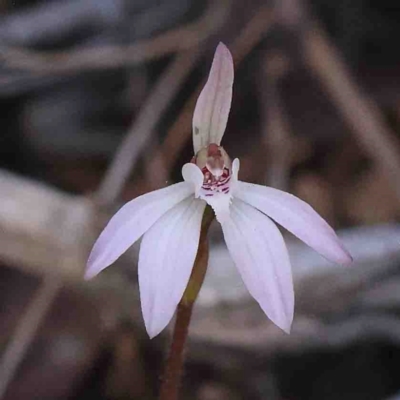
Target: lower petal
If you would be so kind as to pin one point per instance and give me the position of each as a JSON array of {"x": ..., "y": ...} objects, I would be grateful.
[
  {"x": 166, "y": 258},
  {"x": 260, "y": 254},
  {"x": 220, "y": 203},
  {"x": 131, "y": 222},
  {"x": 297, "y": 217}
]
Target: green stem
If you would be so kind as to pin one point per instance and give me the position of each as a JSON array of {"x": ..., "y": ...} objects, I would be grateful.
[{"x": 173, "y": 369}]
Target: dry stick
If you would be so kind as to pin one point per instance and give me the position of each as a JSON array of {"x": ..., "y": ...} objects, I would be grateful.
[
  {"x": 277, "y": 135},
  {"x": 156, "y": 175},
  {"x": 357, "y": 109},
  {"x": 72, "y": 228},
  {"x": 180, "y": 39},
  {"x": 26, "y": 330},
  {"x": 143, "y": 127},
  {"x": 249, "y": 37}
]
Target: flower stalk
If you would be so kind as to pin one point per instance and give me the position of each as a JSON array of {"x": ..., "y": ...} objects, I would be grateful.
[{"x": 171, "y": 381}]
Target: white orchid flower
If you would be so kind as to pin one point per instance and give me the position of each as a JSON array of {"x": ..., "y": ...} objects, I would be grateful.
[{"x": 170, "y": 218}]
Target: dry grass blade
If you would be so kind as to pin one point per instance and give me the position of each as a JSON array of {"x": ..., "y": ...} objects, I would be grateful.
[
  {"x": 142, "y": 129},
  {"x": 105, "y": 57},
  {"x": 26, "y": 330},
  {"x": 356, "y": 108}
]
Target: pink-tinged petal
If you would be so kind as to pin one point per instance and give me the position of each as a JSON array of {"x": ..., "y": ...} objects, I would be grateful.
[
  {"x": 259, "y": 252},
  {"x": 166, "y": 258},
  {"x": 297, "y": 217},
  {"x": 131, "y": 222},
  {"x": 213, "y": 105},
  {"x": 192, "y": 174}
]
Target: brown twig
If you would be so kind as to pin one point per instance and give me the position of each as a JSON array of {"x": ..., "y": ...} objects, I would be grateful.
[
  {"x": 276, "y": 130},
  {"x": 144, "y": 125},
  {"x": 355, "y": 106},
  {"x": 156, "y": 175},
  {"x": 176, "y": 40},
  {"x": 56, "y": 228},
  {"x": 26, "y": 330}
]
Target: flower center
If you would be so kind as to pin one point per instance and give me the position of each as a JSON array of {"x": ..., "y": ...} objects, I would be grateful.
[
  {"x": 214, "y": 184},
  {"x": 215, "y": 164}
]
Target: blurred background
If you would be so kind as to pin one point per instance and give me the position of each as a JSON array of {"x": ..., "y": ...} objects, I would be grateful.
[{"x": 96, "y": 102}]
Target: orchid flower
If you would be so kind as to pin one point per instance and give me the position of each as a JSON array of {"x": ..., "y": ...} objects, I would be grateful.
[{"x": 169, "y": 220}]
